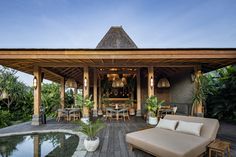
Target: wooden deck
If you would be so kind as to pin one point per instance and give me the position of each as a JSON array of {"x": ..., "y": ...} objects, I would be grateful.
[{"x": 112, "y": 139}]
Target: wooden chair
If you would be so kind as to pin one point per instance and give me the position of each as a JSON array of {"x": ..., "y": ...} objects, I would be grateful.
[
  {"x": 62, "y": 113},
  {"x": 74, "y": 113},
  {"x": 124, "y": 113},
  {"x": 110, "y": 113}
]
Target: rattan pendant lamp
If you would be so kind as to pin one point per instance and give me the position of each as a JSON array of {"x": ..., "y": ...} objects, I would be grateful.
[{"x": 163, "y": 83}]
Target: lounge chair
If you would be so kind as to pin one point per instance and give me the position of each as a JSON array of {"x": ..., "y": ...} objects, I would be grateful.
[{"x": 168, "y": 143}]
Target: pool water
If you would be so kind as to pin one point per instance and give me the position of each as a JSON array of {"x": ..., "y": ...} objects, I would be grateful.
[{"x": 38, "y": 145}]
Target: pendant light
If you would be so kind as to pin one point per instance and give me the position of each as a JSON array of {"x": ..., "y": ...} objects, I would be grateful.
[{"x": 163, "y": 83}]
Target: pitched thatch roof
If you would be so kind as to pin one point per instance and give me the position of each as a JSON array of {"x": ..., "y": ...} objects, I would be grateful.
[{"x": 116, "y": 38}]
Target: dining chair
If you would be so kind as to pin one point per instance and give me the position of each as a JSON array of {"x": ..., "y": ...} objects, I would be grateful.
[
  {"x": 62, "y": 113},
  {"x": 74, "y": 113},
  {"x": 110, "y": 113},
  {"x": 124, "y": 113}
]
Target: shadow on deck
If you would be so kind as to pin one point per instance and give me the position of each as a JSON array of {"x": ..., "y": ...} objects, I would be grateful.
[{"x": 112, "y": 139}]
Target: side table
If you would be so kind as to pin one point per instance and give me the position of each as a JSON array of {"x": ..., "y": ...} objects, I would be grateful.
[{"x": 219, "y": 146}]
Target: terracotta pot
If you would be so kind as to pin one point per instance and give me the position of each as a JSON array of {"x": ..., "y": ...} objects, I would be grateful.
[{"x": 91, "y": 145}]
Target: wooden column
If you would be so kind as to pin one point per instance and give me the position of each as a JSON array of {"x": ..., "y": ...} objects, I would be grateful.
[
  {"x": 86, "y": 77},
  {"x": 86, "y": 91},
  {"x": 62, "y": 93},
  {"x": 99, "y": 98},
  {"x": 138, "y": 111},
  {"x": 198, "y": 105},
  {"x": 150, "y": 76},
  {"x": 75, "y": 94},
  {"x": 95, "y": 97},
  {"x": 36, "y": 120}
]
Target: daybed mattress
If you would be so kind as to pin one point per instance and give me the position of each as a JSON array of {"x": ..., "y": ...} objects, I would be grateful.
[{"x": 166, "y": 143}]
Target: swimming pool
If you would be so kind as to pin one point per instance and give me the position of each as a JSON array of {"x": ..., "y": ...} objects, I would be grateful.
[{"x": 39, "y": 144}]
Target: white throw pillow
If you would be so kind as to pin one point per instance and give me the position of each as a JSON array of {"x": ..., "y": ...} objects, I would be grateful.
[
  {"x": 167, "y": 124},
  {"x": 190, "y": 128}
]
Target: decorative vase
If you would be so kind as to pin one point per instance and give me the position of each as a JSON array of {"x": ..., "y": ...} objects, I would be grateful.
[
  {"x": 152, "y": 120},
  {"x": 91, "y": 145}
]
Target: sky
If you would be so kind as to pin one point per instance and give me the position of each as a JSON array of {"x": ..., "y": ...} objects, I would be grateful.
[{"x": 149, "y": 23}]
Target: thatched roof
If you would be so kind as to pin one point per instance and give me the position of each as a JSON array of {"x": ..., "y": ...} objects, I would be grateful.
[{"x": 116, "y": 38}]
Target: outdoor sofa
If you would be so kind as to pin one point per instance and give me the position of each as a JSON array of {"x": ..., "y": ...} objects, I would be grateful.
[{"x": 171, "y": 143}]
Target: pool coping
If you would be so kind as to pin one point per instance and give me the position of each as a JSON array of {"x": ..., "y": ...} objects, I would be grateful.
[{"x": 80, "y": 150}]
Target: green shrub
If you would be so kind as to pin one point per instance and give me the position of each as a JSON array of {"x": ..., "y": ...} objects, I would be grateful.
[{"x": 5, "y": 118}]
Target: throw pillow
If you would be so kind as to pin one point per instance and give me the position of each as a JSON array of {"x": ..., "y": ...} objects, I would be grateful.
[
  {"x": 167, "y": 124},
  {"x": 190, "y": 128}
]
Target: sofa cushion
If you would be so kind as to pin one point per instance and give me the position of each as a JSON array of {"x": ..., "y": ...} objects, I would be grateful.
[
  {"x": 210, "y": 126},
  {"x": 189, "y": 127},
  {"x": 167, "y": 124},
  {"x": 167, "y": 143}
]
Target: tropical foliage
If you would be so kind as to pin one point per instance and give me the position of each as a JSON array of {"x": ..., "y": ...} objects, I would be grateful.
[
  {"x": 91, "y": 129},
  {"x": 221, "y": 97},
  {"x": 153, "y": 104},
  {"x": 16, "y": 99},
  {"x": 88, "y": 102},
  {"x": 51, "y": 98},
  {"x": 201, "y": 92}
]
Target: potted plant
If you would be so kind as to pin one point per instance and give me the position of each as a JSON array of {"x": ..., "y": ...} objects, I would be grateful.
[
  {"x": 79, "y": 101},
  {"x": 91, "y": 129},
  {"x": 199, "y": 95},
  {"x": 131, "y": 82},
  {"x": 87, "y": 105},
  {"x": 131, "y": 108},
  {"x": 153, "y": 105}
]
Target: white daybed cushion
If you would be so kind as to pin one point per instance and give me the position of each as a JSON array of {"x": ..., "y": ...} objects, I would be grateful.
[
  {"x": 190, "y": 128},
  {"x": 167, "y": 124},
  {"x": 168, "y": 143}
]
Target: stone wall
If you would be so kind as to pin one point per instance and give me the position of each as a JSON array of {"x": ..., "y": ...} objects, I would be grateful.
[{"x": 180, "y": 93}]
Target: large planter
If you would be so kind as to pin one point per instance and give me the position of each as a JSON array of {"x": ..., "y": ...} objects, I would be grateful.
[
  {"x": 91, "y": 145},
  {"x": 152, "y": 120}
]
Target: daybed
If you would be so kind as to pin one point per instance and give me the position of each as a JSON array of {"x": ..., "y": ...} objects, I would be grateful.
[{"x": 168, "y": 143}]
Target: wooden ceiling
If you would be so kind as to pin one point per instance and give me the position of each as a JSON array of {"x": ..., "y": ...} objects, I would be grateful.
[{"x": 69, "y": 63}]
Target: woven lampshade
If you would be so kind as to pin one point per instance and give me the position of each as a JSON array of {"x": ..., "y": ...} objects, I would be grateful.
[
  {"x": 71, "y": 83},
  {"x": 163, "y": 83}
]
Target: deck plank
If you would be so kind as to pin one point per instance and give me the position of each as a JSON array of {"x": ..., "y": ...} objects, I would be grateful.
[{"x": 112, "y": 138}]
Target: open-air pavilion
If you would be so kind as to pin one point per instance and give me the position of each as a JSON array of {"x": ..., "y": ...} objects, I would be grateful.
[{"x": 167, "y": 73}]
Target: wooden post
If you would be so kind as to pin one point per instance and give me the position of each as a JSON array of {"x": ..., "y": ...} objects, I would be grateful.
[
  {"x": 75, "y": 94},
  {"x": 99, "y": 98},
  {"x": 86, "y": 90},
  {"x": 138, "y": 111},
  {"x": 150, "y": 81},
  {"x": 197, "y": 106},
  {"x": 86, "y": 77},
  {"x": 62, "y": 93},
  {"x": 95, "y": 97},
  {"x": 36, "y": 120}
]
